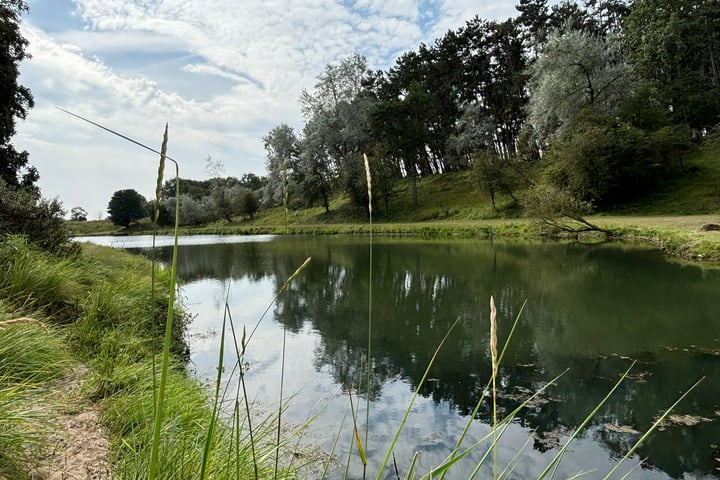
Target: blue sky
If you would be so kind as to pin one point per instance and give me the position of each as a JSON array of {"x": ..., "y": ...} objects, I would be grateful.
[{"x": 222, "y": 73}]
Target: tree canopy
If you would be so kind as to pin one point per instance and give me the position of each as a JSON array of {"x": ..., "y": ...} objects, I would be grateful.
[
  {"x": 126, "y": 206},
  {"x": 606, "y": 91},
  {"x": 15, "y": 99}
]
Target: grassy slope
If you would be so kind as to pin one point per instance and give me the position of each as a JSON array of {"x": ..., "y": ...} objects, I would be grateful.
[{"x": 449, "y": 204}]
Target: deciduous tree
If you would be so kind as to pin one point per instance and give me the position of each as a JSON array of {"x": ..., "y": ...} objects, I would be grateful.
[
  {"x": 78, "y": 214},
  {"x": 126, "y": 206},
  {"x": 15, "y": 99},
  {"x": 576, "y": 70}
]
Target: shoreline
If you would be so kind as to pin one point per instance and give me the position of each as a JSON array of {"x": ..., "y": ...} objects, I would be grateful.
[{"x": 676, "y": 236}]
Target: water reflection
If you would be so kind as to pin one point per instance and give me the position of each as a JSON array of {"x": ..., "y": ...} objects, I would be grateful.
[{"x": 589, "y": 308}]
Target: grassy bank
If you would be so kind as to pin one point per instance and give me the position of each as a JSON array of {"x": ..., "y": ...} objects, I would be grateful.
[
  {"x": 450, "y": 205},
  {"x": 89, "y": 324}
]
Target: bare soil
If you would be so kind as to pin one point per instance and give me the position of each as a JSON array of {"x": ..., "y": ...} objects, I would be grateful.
[{"x": 78, "y": 444}]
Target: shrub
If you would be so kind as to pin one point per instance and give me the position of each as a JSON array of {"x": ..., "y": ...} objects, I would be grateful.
[{"x": 24, "y": 212}]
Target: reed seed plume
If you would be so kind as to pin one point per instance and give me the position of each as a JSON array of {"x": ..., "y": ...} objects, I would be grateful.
[
  {"x": 161, "y": 170},
  {"x": 296, "y": 273},
  {"x": 369, "y": 182},
  {"x": 368, "y": 383}
]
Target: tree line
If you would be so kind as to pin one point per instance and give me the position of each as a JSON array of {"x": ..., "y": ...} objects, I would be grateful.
[
  {"x": 577, "y": 106},
  {"x": 200, "y": 201}
]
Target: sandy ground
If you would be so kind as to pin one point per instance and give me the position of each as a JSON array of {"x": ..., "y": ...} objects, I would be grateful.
[{"x": 78, "y": 444}]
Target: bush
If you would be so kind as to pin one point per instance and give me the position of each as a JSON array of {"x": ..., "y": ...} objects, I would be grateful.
[
  {"x": 24, "y": 212},
  {"x": 602, "y": 161}
]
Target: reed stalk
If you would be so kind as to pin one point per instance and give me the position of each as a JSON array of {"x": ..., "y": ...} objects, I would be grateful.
[
  {"x": 157, "y": 432},
  {"x": 284, "y": 336},
  {"x": 494, "y": 358},
  {"x": 368, "y": 381}
]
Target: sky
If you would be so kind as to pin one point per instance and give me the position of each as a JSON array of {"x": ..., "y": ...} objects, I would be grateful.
[{"x": 221, "y": 73}]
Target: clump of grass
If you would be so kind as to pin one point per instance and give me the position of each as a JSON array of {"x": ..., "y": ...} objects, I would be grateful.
[
  {"x": 20, "y": 437},
  {"x": 30, "y": 354},
  {"x": 33, "y": 279}
]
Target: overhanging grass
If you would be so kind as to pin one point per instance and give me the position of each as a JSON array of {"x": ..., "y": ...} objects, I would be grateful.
[{"x": 185, "y": 427}]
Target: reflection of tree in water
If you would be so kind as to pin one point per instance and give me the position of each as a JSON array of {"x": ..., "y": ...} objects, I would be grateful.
[{"x": 585, "y": 303}]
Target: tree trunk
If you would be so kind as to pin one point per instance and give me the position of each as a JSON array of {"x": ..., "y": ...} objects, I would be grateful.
[{"x": 414, "y": 188}]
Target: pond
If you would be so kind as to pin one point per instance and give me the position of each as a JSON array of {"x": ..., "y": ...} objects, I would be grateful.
[{"x": 586, "y": 310}]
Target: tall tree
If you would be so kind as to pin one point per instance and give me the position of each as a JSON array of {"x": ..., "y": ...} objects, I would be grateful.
[
  {"x": 675, "y": 46},
  {"x": 15, "y": 99},
  {"x": 576, "y": 70},
  {"x": 282, "y": 148},
  {"x": 336, "y": 129},
  {"x": 221, "y": 188}
]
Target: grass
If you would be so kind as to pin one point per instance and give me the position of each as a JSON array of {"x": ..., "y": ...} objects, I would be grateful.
[{"x": 30, "y": 356}]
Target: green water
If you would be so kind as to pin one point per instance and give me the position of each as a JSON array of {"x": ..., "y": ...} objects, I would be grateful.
[{"x": 589, "y": 309}]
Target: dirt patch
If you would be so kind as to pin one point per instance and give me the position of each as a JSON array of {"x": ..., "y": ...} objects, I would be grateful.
[{"x": 78, "y": 445}]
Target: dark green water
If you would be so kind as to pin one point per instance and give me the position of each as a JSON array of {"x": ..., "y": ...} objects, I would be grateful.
[{"x": 590, "y": 310}]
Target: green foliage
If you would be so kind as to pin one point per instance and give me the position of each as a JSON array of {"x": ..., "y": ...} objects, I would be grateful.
[
  {"x": 248, "y": 204},
  {"x": 30, "y": 354},
  {"x": 165, "y": 217},
  {"x": 20, "y": 439},
  {"x": 574, "y": 71},
  {"x": 602, "y": 161},
  {"x": 78, "y": 214},
  {"x": 15, "y": 99},
  {"x": 675, "y": 47},
  {"x": 282, "y": 147},
  {"x": 558, "y": 208},
  {"x": 126, "y": 206},
  {"x": 24, "y": 212},
  {"x": 493, "y": 174},
  {"x": 192, "y": 212}
]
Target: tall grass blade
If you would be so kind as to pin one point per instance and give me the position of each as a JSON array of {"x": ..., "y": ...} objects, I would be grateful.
[
  {"x": 246, "y": 403},
  {"x": 326, "y": 467},
  {"x": 652, "y": 428},
  {"x": 455, "y": 457},
  {"x": 124, "y": 137},
  {"x": 494, "y": 355},
  {"x": 413, "y": 464},
  {"x": 275, "y": 298},
  {"x": 284, "y": 337},
  {"x": 213, "y": 418},
  {"x": 510, "y": 467},
  {"x": 481, "y": 399},
  {"x": 358, "y": 440},
  {"x": 414, "y": 397},
  {"x": 559, "y": 455}
]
